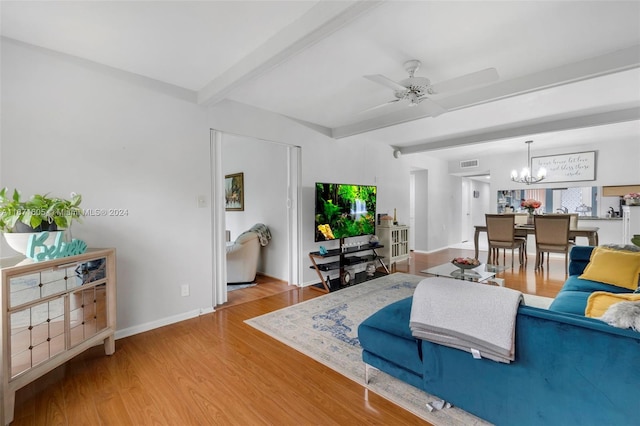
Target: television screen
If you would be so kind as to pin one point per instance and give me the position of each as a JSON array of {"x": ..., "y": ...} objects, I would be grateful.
[{"x": 344, "y": 211}]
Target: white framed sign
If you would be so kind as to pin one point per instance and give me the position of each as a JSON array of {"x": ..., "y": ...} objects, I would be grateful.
[{"x": 577, "y": 166}]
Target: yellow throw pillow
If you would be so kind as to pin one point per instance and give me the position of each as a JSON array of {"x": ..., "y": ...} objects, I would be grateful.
[
  {"x": 615, "y": 267},
  {"x": 599, "y": 302}
]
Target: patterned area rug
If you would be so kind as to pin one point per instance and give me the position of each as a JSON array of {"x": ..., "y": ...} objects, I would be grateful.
[{"x": 325, "y": 329}]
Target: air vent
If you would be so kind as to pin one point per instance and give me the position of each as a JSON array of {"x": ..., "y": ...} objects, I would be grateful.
[{"x": 466, "y": 164}]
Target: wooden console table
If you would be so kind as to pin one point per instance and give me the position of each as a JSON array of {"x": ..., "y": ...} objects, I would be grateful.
[{"x": 52, "y": 311}]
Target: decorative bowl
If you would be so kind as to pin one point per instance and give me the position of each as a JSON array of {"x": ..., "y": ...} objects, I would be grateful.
[{"x": 466, "y": 265}]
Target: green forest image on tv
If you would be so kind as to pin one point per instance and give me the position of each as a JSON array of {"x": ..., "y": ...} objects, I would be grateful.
[{"x": 344, "y": 211}]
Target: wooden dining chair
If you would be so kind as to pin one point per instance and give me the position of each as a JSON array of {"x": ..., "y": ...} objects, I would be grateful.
[
  {"x": 573, "y": 224},
  {"x": 521, "y": 218},
  {"x": 552, "y": 236},
  {"x": 501, "y": 235}
]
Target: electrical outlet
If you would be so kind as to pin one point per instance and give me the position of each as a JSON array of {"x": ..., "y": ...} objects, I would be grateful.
[
  {"x": 202, "y": 201},
  {"x": 184, "y": 290}
]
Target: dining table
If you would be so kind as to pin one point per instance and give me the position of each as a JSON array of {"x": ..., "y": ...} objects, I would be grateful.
[{"x": 590, "y": 232}]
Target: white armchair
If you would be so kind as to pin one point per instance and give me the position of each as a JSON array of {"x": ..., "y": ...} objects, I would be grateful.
[{"x": 242, "y": 258}]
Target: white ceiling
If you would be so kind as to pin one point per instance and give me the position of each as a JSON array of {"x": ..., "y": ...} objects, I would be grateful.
[{"x": 557, "y": 61}]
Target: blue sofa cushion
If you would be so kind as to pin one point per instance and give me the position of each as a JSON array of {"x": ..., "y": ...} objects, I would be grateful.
[
  {"x": 570, "y": 302},
  {"x": 573, "y": 283}
]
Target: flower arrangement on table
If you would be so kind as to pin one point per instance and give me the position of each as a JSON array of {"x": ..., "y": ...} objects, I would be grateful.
[
  {"x": 632, "y": 199},
  {"x": 530, "y": 205}
]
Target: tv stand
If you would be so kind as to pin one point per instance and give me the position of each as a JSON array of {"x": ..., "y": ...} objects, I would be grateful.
[{"x": 341, "y": 259}]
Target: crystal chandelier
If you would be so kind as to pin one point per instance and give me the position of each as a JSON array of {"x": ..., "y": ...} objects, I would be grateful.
[{"x": 525, "y": 175}]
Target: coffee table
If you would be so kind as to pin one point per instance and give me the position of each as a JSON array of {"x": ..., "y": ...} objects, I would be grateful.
[{"x": 480, "y": 273}]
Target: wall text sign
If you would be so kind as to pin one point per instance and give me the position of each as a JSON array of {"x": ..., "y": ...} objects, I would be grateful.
[{"x": 573, "y": 167}]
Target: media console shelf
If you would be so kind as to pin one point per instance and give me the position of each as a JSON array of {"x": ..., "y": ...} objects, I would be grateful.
[
  {"x": 341, "y": 260},
  {"x": 52, "y": 311}
]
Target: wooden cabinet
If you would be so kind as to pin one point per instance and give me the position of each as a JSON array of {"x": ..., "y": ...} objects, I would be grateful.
[
  {"x": 52, "y": 311},
  {"x": 395, "y": 240}
]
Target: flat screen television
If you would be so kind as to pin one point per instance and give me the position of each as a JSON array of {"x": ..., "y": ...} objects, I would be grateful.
[{"x": 344, "y": 211}]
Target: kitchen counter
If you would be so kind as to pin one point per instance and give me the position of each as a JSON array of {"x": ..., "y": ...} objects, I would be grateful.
[
  {"x": 598, "y": 218},
  {"x": 609, "y": 232}
]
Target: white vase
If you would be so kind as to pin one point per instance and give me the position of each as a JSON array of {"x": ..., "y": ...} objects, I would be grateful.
[{"x": 18, "y": 240}]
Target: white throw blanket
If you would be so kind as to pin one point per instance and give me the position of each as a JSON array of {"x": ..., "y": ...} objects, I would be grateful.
[{"x": 473, "y": 317}]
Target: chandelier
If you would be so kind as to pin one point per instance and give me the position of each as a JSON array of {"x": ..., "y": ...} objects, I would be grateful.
[{"x": 525, "y": 175}]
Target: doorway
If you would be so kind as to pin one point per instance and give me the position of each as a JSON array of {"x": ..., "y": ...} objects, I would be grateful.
[
  {"x": 272, "y": 190},
  {"x": 419, "y": 210},
  {"x": 465, "y": 210}
]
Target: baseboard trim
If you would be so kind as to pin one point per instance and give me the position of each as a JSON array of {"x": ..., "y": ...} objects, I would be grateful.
[{"x": 137, "y": 329}]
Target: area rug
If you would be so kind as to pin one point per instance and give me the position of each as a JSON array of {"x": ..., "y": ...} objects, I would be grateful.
[
  {"x": 325, "y": 329},
  {"x": 233, "y": 287}
]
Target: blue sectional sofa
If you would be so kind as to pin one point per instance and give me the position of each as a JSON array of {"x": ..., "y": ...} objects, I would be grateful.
[{"x": 569, "y": 369}]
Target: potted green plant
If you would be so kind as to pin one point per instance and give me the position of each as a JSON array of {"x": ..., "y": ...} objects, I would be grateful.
[{"x": 19, "y": 219}]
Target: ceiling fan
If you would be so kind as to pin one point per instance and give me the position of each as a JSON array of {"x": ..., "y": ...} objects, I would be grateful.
[{"x": 417, "y": 90}]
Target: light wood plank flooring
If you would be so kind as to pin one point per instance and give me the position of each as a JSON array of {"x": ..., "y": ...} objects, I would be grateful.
[{"x": 217, "y": 370}]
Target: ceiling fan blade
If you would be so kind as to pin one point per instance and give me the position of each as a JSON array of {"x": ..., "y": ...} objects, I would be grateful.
[
  {"x": 380, "y": 106},
  {"x": 381, "y": 79},
  {"x": 468, "y": 80},
  {"x": 434, "y": 109}
]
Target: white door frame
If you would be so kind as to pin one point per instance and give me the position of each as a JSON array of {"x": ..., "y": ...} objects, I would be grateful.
[
  {"x": 465, "y": 210},
  {"x": 218, "y": 224},
  {"x": 294, "y": 234}
]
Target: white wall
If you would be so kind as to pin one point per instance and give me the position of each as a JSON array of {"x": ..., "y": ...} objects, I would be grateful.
[
  {"x": 264, "y": 165},
  {"x": 323, "y": 160},
  {"x": 70, "y": 127},
  {"x": 443, "y": 203}
]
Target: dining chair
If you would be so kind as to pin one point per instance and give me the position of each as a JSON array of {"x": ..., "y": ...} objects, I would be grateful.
[
  {"x": 521, "y": 218},
  {"x": 552, "y": 236},
  {"x": 573, "y": 224},
  {"x": 501, "y": 235}
]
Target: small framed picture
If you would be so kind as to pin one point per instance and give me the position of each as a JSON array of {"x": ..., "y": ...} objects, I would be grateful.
[{"x": 234, "y": 192}]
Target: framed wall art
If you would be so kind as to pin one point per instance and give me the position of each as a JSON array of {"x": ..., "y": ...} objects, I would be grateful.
[
  {"x": 234, "y": 192},
  {"x": 577, "y": 166}
]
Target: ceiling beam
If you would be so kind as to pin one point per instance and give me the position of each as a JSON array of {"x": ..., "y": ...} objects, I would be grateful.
[
  {"x": 610, "y": 63},
  {"x": 527, "y": 128},
  {"x": 319, "y": 22}
]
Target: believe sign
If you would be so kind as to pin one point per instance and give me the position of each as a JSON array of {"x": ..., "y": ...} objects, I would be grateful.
[{"x": 57, "y": 250}]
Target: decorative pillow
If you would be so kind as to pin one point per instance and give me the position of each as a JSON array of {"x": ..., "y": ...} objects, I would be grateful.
[
  {"x": 599, "y": 302},
  {"x": 623, "y": 315},
  {"x": 615, "y": 267}
]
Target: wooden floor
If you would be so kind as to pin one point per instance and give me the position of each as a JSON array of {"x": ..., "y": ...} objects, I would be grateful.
[{"x": 217, "y": 370}]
